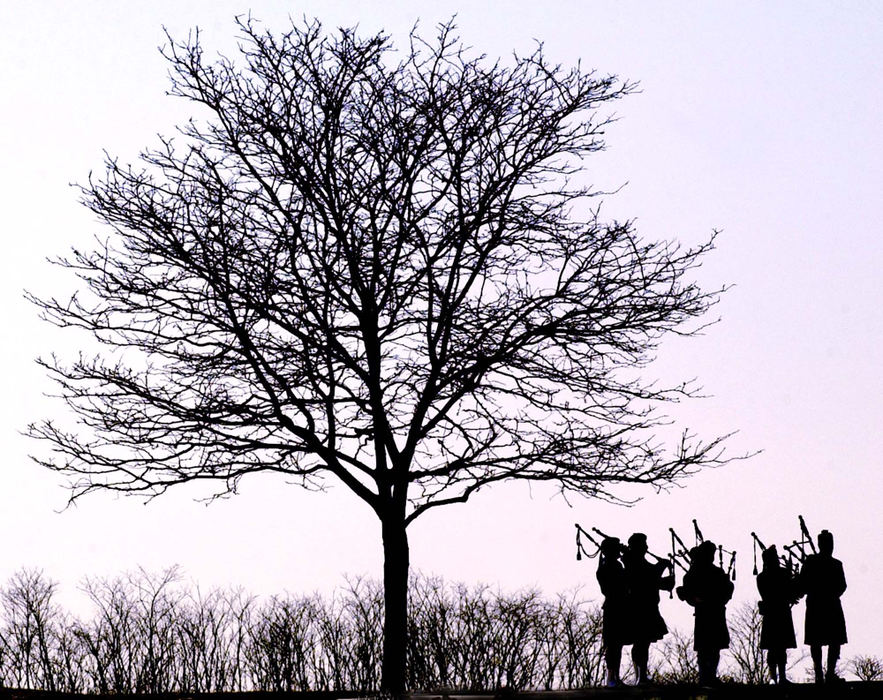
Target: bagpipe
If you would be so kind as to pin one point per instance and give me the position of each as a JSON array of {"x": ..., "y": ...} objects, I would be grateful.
[
  {"x": 582, "y": 533},
  {"x": 796, "y": 551},
  {"x": 791, "y": 560},
  {"x": 662, "y": 563},
  {"x": 680, "y": 554}
]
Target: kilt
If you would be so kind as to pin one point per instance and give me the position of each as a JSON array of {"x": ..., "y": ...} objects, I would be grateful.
[
  {"x": 824, "y": 622},
  {"x": 777, "y": 629}
]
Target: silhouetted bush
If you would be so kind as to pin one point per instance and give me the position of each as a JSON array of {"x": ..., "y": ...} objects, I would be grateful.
[
  {"x": 747, "y": 661},
  {"x": 866, "y": 668},
  {"x": 677, "y": 662},
  {"x": 477, "y": 639},
  {"x": 153, "y": 633}
]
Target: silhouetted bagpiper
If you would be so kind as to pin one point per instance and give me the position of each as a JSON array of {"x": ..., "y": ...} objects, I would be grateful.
[
  {"x": 778, "y": 592},
  {"x": 822, "y": 580},
  {"x": 631, "y": 597},
  {"x": 707, "y": 588},
  {"x": 615, "y": 629},
  {"x": 644, "y": 580}
]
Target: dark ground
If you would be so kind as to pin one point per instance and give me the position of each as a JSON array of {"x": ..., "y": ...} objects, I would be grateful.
[{"x": 802, "y": 691}]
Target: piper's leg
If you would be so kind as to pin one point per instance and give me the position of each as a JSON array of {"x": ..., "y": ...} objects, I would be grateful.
[
  {"x": 771, "y": 662},
  {"x": 708, "y": 660},
  {"x": 783, "y": 664},
  {"x": 815, "y": 651},
  {"x": 613, "y": 656},
  {"x": 714, "y": 657},
  {"x": 640, "y": 657},
  {"x": 833, "y": 657}
]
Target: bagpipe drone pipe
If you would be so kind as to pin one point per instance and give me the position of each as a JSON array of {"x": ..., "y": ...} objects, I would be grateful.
[
  {"x": 680, "y": 551},
  {"x": 795, "y": 553}
]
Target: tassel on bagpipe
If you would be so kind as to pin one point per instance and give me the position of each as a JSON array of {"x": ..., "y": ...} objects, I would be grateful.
[
  {"x": 786, "y": 562},
  {"x": 580, "y": 547},
  {"x": 756, "y": 542}
]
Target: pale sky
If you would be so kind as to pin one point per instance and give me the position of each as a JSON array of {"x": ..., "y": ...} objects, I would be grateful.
[{"x": 760, "y": 119}]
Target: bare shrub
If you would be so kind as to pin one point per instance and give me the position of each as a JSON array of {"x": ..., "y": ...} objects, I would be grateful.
[
  {"x": 31, "y": 637},
  {"x": 577, "y": 654},
  {"x": 747, "y": 659},
  {"x": 678, "y": 663},
  {"x": 866, "y": 668},
  {"x": 362, "y": 608},
  {"x": 475, "y": 639},
  {"x": 281, "y": 645},
  {"x": 133, "y": 642},
  {"x": 108, "y": 635},
  {"x": 210, "y": 641},
  {"x": 153, "y": 633}
]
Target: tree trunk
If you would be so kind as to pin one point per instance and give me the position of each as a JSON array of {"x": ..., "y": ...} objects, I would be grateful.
[{"x": 396, "y": 561}]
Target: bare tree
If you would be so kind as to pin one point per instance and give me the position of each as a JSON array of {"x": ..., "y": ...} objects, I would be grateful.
[{"x": 378, "y": 268}]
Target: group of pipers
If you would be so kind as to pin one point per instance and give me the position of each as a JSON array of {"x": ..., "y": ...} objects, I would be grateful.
[{"x": 631, "y": 584}]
